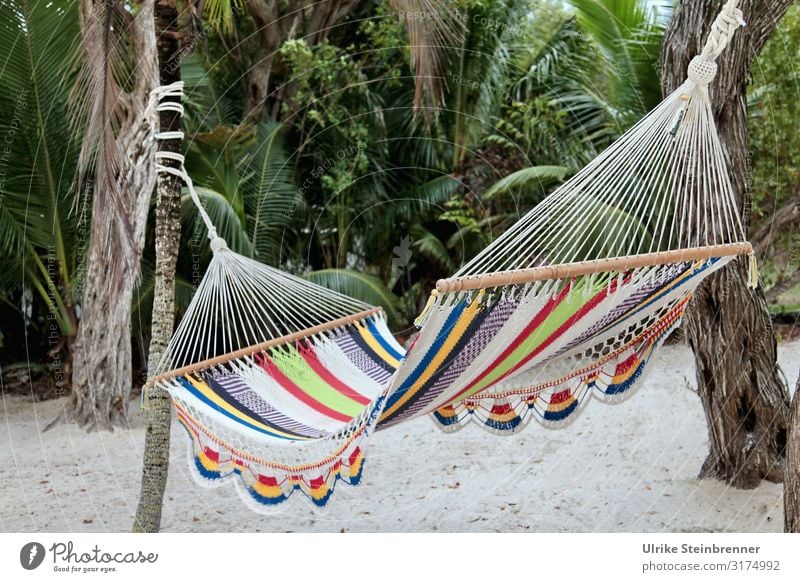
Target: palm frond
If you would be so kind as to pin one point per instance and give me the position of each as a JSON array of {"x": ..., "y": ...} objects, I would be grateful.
[
  {"x": 222, "y": 214},
  {"x": 432, "y": 27},
  {"x": 432, "y": 248},
  {"x": 367, "y": 288},
  {"x": 39, "y": 44},
  {"x": 220, "y": 13},
  {"x": 271, "y": 200},
  {"x": 538, "y": 175},
  {"x": 628, "y": 33}
]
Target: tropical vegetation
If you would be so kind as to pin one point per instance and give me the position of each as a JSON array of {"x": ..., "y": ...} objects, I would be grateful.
[{"x": 343, "y": 170}]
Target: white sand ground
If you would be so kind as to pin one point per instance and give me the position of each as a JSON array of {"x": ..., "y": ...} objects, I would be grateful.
[{"x": 630, "y": 467}]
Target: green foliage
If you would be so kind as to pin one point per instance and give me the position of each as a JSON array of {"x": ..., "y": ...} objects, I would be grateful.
[
  {"x": 480, "y": 68},
  {"x": 775, "y": 145},
  {"x": 628, "y": 35},
  {"x": 245, "y": 179},
  {"x": 588, "y": 77},
  {"x": 367, "y": 288},
  {"x": 773, "y": 118},
  {"x": 220, "y": 13},
  {"x": 41, "y": 228},
  {"x": 524, "y": 177}
]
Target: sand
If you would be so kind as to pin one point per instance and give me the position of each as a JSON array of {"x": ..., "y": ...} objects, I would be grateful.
[{"x": 630, "y": 468}]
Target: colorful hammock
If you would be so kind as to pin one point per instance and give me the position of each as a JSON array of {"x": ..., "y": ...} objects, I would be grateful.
[{"x": 278, "y": 381}]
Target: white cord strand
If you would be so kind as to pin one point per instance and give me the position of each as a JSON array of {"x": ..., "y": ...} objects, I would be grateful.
[
  {"x": 157, "y": 96},
  {"x": 725, "y": 25}
]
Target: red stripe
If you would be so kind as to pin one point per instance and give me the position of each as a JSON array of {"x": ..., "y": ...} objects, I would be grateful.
[
  {"x": 531, "y": 327},
  {"x": 501, "y": 408},
  {"x": 535, "y": 322},
  {"x": 560, "y": 397},
  {"x": 627, "y": 364},
  {"x": 270, "y": 368},
  {"x": 313, "y": 361},
  {"x": 268, "y": 481}
]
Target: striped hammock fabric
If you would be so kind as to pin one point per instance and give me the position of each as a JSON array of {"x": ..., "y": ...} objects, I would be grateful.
[
  {"x": 475, "y": 362},
  {"x": 278, "y": 381}
]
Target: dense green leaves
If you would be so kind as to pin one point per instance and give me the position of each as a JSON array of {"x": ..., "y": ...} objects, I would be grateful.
[
  {"x": 342, "y": 180},
  {"x": 41, "y": 241}
]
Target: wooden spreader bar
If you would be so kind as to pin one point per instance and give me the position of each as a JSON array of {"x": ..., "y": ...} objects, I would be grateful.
[
  {"x": 567, "y": 270},
  {"x": 263, "y": 346}
]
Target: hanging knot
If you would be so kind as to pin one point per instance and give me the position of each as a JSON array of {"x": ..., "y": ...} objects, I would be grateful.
[
  {"x": 702, "y": 70},
  {"x": 727, "y": 22},
  {"x": 217, "y": 243}
]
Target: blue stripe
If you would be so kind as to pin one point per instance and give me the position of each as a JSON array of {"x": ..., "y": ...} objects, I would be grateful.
[
  {"x": 446, "y": 420},
  {"x": 208, "y": 474},
  {"x": 503, "y": 424},
  {"x": 556, "y": 415},
  {"x": 381, "y": 340},
  {"x": 429, "y": 355},
  {"x": 200, "y": 396},
  {"x": 663, "y": 291}
]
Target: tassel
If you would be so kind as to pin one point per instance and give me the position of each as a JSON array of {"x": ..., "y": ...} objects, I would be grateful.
[
  {"x": 753, "y": 273},
  {"x": 680, "y": 115},
  {"x": 426, "y": 311},
  {"x": 143, "y": 403}
]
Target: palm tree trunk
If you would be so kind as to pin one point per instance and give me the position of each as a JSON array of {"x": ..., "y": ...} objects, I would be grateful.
[
  {"x": 102, "y": 361},
  {"x": 791, "y": 484},
  {"x": 740, "y": 385},
  {"x": 168, "y": 234}
]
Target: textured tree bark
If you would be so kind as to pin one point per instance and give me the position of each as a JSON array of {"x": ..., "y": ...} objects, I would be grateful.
[
  {"x": 102, "y": 360},
  {"x": 791, "y": 484},
  {"x": 744, "y": 396},
  {"x": 168, "y": 233}
]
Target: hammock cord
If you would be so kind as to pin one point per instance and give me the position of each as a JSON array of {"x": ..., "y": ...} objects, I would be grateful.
[
  {"x": 725, "y": 25},
  {"x": 157, "y": 96}
]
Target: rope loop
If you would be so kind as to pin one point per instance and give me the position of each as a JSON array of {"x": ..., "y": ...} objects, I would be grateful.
[
  {"x": 703, "y": 67},
  {"x": 726, "y": 24},
  {"x": 157, "y": 104}
]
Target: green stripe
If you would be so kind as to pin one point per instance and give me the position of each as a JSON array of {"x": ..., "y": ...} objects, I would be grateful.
[
  {"x": 558, "y": 317},
  {"x": 298, "y": 371}
]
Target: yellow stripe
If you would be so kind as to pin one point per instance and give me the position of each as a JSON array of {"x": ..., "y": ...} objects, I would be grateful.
[
  {"x": 355, "y": 468},
  {"x": 452, "y": 339},
  {"x": 211, "y": 395},
  {"x": 561, "y": 405},
  {"x": 376, "y": 347},
  {"x": 207, "y": 463},
  {"x": 270, "y": 491},
  {"x": 318, "y": 493},
  {"x": 505, "y": 417},
  {"x": 447, "y": 411}
]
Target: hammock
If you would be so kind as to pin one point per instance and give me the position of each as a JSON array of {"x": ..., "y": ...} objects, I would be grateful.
[{"x": 278, "y": 381}]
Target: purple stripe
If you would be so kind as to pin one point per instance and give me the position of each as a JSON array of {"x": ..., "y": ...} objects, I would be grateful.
[
  {"x": 240, "y": 391},
  {"x": 487, "y": 331},
  {"x": 636, "y": 299},
  {"x": 361, "y": 360}
]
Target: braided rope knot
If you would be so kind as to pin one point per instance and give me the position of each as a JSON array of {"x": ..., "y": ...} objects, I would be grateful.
[
  {"x": 702, "y": 70},
  {"x": 725, "y": 25}
]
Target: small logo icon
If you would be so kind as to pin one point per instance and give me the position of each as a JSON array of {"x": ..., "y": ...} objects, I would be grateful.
[
  {"x": 31, "y": 555},
  {"x": 402, "y": 254}
]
